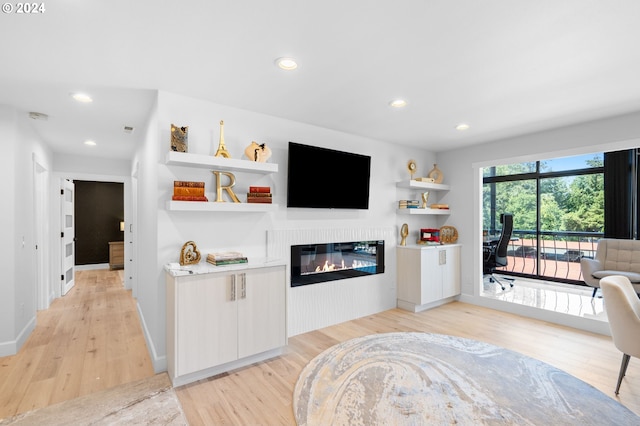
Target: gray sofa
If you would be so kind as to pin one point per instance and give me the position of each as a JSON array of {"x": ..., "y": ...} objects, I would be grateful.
[{"x": 613, "y": 257}]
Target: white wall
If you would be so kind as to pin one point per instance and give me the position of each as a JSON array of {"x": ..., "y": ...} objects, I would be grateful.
[
  {"x": 87, "y": 167},
  {"x": 148, "y": 289},
  {"x": 462, "y": 169},
  {"x": 18, "y": 287},
  {"x": 7, "y": 233},
  {"x": 247, "y": 232}
]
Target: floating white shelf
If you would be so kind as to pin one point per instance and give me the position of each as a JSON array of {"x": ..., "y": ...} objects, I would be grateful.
[
  {"x": 218, "y": 163},
  {"x": 414, "y": 184},
  {"x": 210, "y": 206},
  {"x": 424, "y": 211}
]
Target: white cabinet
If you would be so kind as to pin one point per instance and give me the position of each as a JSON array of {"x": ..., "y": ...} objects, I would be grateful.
[
  {"x": 427, "y": 275},
  {"x": 261, "y": 310},
  {"x": 209, "y": 162},
  {"x": 423, "y": 187},
  {"x": 219, "y": 321}
]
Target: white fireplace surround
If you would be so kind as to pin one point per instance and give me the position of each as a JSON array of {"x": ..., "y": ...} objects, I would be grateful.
[{"x": 323, "y": 304}]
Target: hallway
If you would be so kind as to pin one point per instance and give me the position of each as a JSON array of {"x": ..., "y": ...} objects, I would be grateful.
[{"x": 88, "y": 340}]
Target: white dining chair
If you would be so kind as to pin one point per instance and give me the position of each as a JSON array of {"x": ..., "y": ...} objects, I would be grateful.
[{"x": 623, "y": 311}]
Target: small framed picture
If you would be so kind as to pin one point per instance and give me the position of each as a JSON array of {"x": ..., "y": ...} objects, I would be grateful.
[{"x": 429, "y": 234}]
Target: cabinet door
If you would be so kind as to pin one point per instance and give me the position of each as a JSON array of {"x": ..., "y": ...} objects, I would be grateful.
[
  {"x": 451, "y": 273},
  {"x": 207, "y": 322},
  {"x": 432, "y": 275},
  {"x": 261, "y": 310},
  {"x": 409, "y": 273}
]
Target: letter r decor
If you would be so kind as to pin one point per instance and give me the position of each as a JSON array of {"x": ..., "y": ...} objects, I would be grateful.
[{"x": 219, "y": 187}]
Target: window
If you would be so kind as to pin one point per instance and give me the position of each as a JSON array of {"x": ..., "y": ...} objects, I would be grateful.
[{"x": 558, "y": 213}]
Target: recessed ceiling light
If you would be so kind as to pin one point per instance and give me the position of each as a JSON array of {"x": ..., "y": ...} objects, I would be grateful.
[
  {"x": 398, "y": 103},
  {"x": 287, "y": 64},
  {"x": 90, "y": 143},
  {"x": 81, "y": 97},
  {"x": 462, "y": 127}
]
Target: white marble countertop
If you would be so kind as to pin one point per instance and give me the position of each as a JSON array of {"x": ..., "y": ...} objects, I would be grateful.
[
  {"x": 174, "y": 269},
  {"x": 426, "y": 246}
]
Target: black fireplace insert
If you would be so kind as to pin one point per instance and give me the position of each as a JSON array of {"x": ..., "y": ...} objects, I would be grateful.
[{"x": 314, "y": 263}]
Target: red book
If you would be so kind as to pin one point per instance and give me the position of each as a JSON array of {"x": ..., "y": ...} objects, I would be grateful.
[
  {"x": 188, "y": 198},
  {"x": 188, "y": 184},
  {"x": 260, "y": 189}
]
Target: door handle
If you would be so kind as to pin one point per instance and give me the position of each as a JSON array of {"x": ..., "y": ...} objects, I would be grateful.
[
  {"x": 243, "y": 288},
  {"x": 233, "y": 287}
]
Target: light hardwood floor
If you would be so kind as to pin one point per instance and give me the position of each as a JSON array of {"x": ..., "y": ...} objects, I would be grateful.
[
  {"x": 92, "y": 340},
  {"x": 262, "y": 393},
  {"x": 88, "y": 340}
]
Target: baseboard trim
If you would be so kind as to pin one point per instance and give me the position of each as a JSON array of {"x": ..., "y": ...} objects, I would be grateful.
[
  {"x": 91, "y": 267},
  {"x": 159, "y": 362},
  {"x": 13, "y": 346},
  {"x": 580, "y": 323},
  {"x": 225, "y": 368},
  {"x": 412, "y": 307}
]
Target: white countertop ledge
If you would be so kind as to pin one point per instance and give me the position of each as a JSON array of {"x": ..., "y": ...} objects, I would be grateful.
[
  {"x": 427, "y": 246},
  {"x": 175, "y": 270}
]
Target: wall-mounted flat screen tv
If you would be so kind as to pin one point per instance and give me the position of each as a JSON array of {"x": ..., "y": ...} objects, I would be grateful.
[{"x": 326, "y": 178}]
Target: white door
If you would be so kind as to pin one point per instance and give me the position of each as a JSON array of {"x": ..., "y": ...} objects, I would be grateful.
[
  {"x": 41, "y": 227},
  {"x": 68, "y": 246}
]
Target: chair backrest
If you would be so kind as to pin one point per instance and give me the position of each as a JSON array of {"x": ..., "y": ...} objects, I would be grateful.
[
  {"x": 619, "y": 254},
  {"x": 507, "y": 229},
  {"x": 623, "y": 311}
]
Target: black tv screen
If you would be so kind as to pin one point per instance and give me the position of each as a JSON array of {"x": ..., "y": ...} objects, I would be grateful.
[{"x": 326, "y": 178}]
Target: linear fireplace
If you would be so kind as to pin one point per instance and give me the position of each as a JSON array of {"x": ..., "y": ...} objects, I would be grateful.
[{"x": 314, "y": 263}]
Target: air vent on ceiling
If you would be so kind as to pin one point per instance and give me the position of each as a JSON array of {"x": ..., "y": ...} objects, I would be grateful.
[{"x": 128, "y": 129}]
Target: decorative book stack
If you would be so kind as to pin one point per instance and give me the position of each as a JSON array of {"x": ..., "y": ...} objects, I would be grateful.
[
  {"x": 226, "y": 258},
  {"x": 439, "y": 206},
  {"x": 259, "y": 194},
  {"x": 188, "y": 191},
  {"x": 408, "y": 204}
]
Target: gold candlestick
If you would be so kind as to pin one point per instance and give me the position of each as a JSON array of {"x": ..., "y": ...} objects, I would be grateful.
[{"x": 222, "y": 149}]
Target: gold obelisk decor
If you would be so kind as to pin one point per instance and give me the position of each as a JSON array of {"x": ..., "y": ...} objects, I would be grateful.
[{"x": 222, "y": 149}]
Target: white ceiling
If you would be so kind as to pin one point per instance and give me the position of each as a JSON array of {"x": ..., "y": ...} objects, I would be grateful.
[{"x": 506, "y": 67}]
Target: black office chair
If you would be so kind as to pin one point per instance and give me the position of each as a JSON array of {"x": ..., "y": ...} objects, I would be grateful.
[{"x": 495, "y": 255}]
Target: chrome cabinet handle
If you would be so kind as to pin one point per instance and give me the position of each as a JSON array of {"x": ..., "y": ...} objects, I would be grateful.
[
  {"x": 244, "y": 286},
  {"x": 233, "y": 287}
]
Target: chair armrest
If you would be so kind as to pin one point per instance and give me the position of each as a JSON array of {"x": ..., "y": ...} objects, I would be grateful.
[
  {"x": 488, "y": 249},
  {"x": 588, "y": 267}
]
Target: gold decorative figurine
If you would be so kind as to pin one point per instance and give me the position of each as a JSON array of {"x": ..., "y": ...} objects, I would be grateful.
[
  {"x": 222, "y": 149},
  {"x": 436, "y": 174},
  {"x": 189, "y": 254},
  {"x": 404, "y": 231},
  {"x": 412, "y": 167},
  {"x": 259, "y": 153},
  {"x": 425, "y": 197}
]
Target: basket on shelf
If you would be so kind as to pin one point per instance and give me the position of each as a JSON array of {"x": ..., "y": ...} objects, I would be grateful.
[{"x": 448, "y": 234}]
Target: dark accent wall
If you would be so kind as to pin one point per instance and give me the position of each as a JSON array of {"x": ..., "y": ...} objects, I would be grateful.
[
  {"x": 618, "y": 195},
  {"x": 98, "y": 209}
]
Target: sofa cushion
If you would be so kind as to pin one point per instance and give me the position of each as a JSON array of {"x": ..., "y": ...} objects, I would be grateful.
[{"x": 633, "y": 276}]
